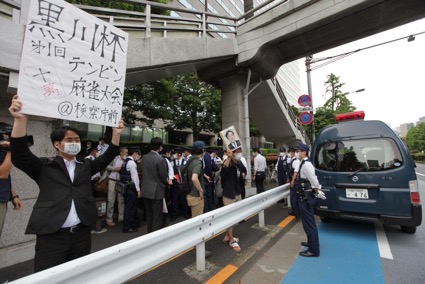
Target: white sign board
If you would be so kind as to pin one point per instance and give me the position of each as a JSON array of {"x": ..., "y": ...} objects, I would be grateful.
[
  {"x": 73, "y": 65},
  {"x": 303, "y": 109}
]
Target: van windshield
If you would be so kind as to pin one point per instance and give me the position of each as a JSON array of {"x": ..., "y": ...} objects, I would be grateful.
[{"x": 375, "y": 154}]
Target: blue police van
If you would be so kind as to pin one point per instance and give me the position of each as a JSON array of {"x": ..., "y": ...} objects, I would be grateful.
[{"x": 367, "y": 173}]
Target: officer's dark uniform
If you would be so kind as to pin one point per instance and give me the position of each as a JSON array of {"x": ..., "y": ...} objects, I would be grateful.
[
  {"x": 282, "y": 168},
  {"x": 130, "y": 198},
  {"x": 307, "y": 200},
  {"x": 295, "y": 211}
]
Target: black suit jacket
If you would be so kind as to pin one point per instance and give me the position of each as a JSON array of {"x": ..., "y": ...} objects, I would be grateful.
[
  {"x": 232, "y": 147},
  {"x": 56, "y": 188}
]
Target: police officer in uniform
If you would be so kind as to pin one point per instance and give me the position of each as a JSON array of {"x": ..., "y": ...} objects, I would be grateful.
[
  {"x": 282, "y": 166},
  {"x": 308, "y": 189},
  {"x": 293, "y": 167}
]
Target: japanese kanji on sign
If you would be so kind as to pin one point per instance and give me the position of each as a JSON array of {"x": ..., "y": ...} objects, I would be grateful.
[{"x": 73, "y": 65}]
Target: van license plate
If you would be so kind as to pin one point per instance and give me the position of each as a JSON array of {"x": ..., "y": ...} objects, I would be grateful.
[{"x": 357, "y": 193}]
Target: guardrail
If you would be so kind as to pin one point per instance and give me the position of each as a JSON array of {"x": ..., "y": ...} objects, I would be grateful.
[
  {"x": 124, "y": 261},
  {"x": 288, "y": 108}
]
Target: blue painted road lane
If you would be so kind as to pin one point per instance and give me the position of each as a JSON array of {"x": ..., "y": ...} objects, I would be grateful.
[{"x": 348, "y": 254}]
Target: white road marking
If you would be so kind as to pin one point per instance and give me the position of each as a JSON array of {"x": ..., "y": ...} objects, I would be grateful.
[
  {"x": 420, "y": 174},
  {"x": 383, "y": 245}
]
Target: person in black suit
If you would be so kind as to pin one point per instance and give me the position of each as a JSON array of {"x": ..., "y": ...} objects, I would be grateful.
[
  {"x": 65, "y": 209},
  {"x": 234, "y": 143},
  {"x": 155, "y": 176}
]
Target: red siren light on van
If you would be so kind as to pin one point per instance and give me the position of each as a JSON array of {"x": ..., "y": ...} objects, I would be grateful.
[{"x": 350, "y": 116}]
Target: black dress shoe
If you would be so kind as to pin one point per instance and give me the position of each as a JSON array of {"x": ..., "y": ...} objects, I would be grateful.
[
  {"x": 173, "y": 218},
  {"x": 305, "y": 244},
  {"x": 291, "y": 213},
  {"x": 307, "y": 253}
]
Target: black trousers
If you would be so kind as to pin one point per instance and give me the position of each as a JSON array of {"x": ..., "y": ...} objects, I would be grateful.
[
  {"x": 178, "y": 202},
  {"x": 309, "y": 224},
  {"x": 295, "y": 207},
  {"x": 282, "y": 178},
  {"x": 130, "y": 198},
  {"x": 60, "y": 247},
  {"x": 259, "y": 181},
  {"x": 153, "y": 209}
]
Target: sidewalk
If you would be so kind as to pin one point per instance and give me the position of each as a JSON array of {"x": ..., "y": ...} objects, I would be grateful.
[{"x": 275, "y": 262}]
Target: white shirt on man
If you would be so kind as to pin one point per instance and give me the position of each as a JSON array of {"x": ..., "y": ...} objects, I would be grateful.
[{"x": 260, "y": 163}]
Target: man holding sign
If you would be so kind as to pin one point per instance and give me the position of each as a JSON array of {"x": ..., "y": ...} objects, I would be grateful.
[{"x": 65, "y": 209}]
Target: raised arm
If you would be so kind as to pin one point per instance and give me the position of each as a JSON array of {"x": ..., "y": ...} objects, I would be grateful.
[{"x": 20, "y": 119}]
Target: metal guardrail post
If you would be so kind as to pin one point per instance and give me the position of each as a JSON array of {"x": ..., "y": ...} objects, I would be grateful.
[
  {"x": 261, "y": 219},
  {"x": 200, "y": 256}
]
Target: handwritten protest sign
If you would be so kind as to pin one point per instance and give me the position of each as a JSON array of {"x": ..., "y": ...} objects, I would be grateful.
[
  {"x": 230, "y": 138},
  {"x": 73, "y": 65}
]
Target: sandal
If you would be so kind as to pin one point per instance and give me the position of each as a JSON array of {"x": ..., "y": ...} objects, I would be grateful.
[
  {"x": 234, "y": 245},
  {"x": 227, "y": 241}
]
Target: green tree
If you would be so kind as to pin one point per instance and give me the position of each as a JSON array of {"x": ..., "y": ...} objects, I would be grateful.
[
  {"x": 415, "y": 138},
  {"x": 148, "y": 102},
  {"x": 336, "y": 104},
  {"x": 181, "y": 102},
  {"x": 195, "y": 105}
]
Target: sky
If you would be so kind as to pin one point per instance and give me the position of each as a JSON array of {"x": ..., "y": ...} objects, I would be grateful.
[{"x": 392, "y": 74}]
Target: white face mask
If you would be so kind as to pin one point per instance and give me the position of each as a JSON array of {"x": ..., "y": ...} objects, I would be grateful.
[
  {"x": 175, "y": 156},
  {"x": 255, "y": 154},
  {"x": 297, "y": 155},
  {"x": 238, "y": 156},
  {"x": 72, "y": 148},
  {"x": 281, "y": 154}
]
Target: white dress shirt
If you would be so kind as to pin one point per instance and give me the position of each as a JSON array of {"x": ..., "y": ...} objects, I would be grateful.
[
  {"x": 308, "y": 172},
  {"x": 72, "y": 219},
  {"x": 260, "y": 163},
  {"x": 132, "y": 168}
]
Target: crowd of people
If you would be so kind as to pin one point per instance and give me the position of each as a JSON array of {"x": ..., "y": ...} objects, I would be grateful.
[{"x": 164, "y": 183}]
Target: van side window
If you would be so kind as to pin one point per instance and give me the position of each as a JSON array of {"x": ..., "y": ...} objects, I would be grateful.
[{"x": 373, "y": 154}]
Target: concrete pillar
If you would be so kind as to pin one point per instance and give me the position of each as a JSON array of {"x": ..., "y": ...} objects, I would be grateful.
[
  {"x": 232, "y": 93},
  {"x": 233, "y": 113},
  {"x": 189, "y": 139}
]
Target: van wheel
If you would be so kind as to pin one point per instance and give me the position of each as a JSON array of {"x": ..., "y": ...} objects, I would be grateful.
[{"x": 408, "y": 229}]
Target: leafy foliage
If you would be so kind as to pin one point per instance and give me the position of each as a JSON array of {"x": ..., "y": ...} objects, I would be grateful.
[
  {"x": 336, "y": 104},
  {"x": 122, "y": 6},
  {"x": 183, "y": 102},
  {"x": 195, "y": 105},
  {"x": 415, "y": 138}
]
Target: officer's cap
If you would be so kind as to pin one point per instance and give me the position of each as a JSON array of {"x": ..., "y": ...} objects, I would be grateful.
[{"x": 303, "y": 147}]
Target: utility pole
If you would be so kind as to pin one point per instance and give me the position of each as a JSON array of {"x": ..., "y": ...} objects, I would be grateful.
[{"x": 308, "y": 61}]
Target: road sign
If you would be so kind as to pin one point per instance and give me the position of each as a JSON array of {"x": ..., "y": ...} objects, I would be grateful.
[
  {"x": 304, "y": 100},
  {"x": 305, "y": 118},
  {"x": 302, "y": 109}
]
